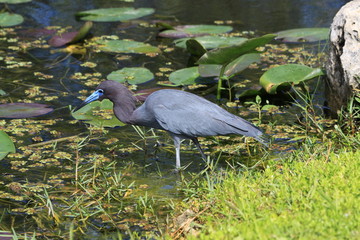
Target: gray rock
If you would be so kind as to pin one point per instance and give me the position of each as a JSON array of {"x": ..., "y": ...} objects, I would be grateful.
[{"x": 343, "y": 68}]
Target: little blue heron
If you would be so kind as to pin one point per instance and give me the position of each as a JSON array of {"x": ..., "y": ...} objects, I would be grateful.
[{"x": 184, "y": 115}]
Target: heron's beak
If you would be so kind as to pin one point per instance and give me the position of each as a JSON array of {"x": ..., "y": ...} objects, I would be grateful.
[{"x": 93, "y": 97}]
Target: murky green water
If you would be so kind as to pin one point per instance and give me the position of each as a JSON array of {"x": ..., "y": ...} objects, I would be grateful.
[{"x": 43, "y": 164}]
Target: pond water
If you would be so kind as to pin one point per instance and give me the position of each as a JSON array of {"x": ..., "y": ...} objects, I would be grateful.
[{"x": 62, "y": 89}]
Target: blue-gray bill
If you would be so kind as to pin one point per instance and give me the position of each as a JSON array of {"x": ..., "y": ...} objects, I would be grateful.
[{"x": 93, "y": 97}]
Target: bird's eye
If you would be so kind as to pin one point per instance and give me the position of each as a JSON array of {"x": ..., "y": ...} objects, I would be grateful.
[{"x": 100, "y": 91}]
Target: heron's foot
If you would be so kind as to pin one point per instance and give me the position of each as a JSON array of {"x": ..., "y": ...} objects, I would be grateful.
[
  {"x": 177, "y": 170},
  {"x": 180, "y": 169}
]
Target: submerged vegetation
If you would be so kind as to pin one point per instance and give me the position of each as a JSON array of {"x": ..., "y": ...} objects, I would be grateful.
[{"x": 67, "y": 175}]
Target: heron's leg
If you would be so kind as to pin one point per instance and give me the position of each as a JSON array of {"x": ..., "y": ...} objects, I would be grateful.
[
  {"x": 197, "y": 144},
  {"x": 177, "y": 142}
]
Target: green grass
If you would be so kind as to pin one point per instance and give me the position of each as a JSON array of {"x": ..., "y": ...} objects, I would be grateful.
[{"x": 313, "y": 193}]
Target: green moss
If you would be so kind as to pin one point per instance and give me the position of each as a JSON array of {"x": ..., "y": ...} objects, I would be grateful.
[{"x": 303, "y": 196}]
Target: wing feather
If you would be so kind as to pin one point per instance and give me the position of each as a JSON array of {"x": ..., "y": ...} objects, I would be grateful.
[{"x": 194, "y": 116}]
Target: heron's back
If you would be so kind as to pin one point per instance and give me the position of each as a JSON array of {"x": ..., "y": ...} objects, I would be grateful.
[{"x": 191, "y": 116}]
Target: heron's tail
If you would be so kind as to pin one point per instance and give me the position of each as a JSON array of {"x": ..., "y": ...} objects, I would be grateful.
[{"x": 264, "y": 139}]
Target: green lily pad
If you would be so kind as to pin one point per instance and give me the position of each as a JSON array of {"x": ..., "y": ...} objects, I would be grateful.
[
  {"x": 135, "y": 75},
  {"x": 303, "y": 35},
  {"x": 287, "y": 74},
  {"x": 188, "y": 76},
  {"x": 184, "y": 31},
  {"x": 23, "y": 110},
  {"x": 126, "y": 46},
  {"x": 228, "y": 54},
  {"x": 114, "y": 14},
  {"x": 233, "y": 68},
  {"x": 10, "y": 19},
  {"x": 14, "y": 1},
  {"x": 240, "y": 63},
  {"x": 6, "y": 146},
  {"x": 185, "y": 76},
  {"x": 99, "y": 114},
  {"x": 209, "y": 70},
  {"x": 211, "y": 42}
]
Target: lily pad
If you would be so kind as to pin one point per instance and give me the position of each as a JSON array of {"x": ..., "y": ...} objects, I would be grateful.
[
  {"x": 114, "y": 14},
  {"x": 23, "y": 110},
  {"x": 135, "y": 75},
  {"x": 185, "y": 31},
  {"x": 70, "y": 37},
  {"x": 209, "y": 70},
  {"x": 187, "y": 76},
  {"x": 6, "y": 146},
  {"x": 228, "y": 54},
  {"x": 240, "y": 63},
  {"x": 10, "y": 19},
  {"x": 184, "y": 76},
  {"x": 126, "y": 46},
  {"x": 14, "y": 1},
  {"x": 236, "y": 66},
  {"x": 99, "y": 114},
  {"x": 303, "y": 35},
  {"x": 287, "y": 74},
  {"x": 211, "y": 42},
  {"x": 61, "y": 40}
]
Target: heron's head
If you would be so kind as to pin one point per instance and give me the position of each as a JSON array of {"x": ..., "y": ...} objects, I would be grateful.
[{"x": 106, "y": 89}]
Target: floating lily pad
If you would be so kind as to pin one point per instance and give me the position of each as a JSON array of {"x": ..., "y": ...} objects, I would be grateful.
[
  {"x": 10, "y": 19},
  {"x": 184, "y": 76},
  {"x": 211, "y": 42},
  {"x": 303, "y": 35},
  {"x": 185, "y": 31},
  {"x": 228, "y": 54},
  {"x": 187, "y": 76},
  {"x": 99, "y": 114},
  {"x": 70, "y": 37},
  {"x": 14, "y": 1},
  {"x": 114, "y": 14},
  {"x": 126, "y": 46},
  {"x": 6, "y": 146},
  {"x": 61, "y": 40},
  {"x": 23, "y": 110},
  {"x": 135, "y": 75},
  {"x": 287, "y": 74}
]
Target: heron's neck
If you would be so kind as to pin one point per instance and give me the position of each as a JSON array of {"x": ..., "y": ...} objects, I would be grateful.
[{"x": 124, "y": 108}]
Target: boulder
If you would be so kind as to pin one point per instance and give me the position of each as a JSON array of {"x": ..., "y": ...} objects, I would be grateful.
[{"x": 343, "y": 67}]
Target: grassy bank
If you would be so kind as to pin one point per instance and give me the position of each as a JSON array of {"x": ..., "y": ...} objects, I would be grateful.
[{"x": 312, "y": 193}]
